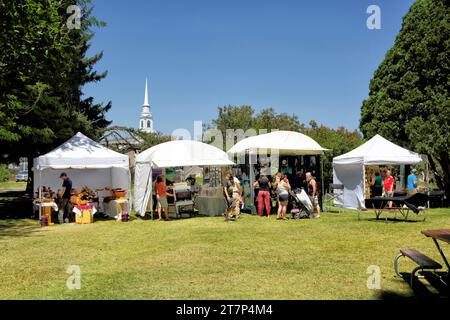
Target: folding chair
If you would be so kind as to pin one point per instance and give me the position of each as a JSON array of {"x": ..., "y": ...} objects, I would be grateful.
[{"x": 334, "y": 198}]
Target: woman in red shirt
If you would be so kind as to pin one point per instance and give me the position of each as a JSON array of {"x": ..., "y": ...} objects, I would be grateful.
[
  {"x": 389, "y": 183},
  {"x": 161, "y": 196}
]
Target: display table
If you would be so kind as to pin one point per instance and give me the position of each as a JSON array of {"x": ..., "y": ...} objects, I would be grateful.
[
  {"x": 210, "y": 206},
  {"x": 114, "y": 208},
  {"x": 84, "y": 214},
  {"x": 46, "y": 209}
]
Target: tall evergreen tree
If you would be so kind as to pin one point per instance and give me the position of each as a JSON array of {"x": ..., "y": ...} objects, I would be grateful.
[
  {"x": 43, "y": 67},
  {"x": 409, "y": 99}
]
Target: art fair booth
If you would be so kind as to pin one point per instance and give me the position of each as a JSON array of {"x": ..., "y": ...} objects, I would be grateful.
[
  {"x": 179, "y": 156},
  {"x": 354, "y": 169},
  {"x": 87, "y": 164},
  {"x": 291, "y": 153}
]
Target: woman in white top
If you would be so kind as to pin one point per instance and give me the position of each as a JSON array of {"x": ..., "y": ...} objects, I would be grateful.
[{"x": 283, "y": 187}]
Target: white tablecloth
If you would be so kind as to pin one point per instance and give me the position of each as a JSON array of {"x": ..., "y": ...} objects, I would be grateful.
[
  {"x": 210, "y": 206},
  {"x": 37, "y": 205},
  {"x": 113, "y": 208},
  {"x": 77, "y": 211}
]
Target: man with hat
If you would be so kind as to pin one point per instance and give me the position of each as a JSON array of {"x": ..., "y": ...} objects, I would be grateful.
[
  {"x": 64, "y": 202},
  {"x": 412, "y": 183}
]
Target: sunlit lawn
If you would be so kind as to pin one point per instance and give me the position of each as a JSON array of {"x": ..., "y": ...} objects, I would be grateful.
[
  {"x": 206, "y": 258},
  {"x": 12, "y": 185}
]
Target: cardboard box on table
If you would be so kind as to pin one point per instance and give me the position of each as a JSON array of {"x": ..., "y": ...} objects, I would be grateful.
[
  {"x": 47, "y": 211},
  {"x": 84, "y": 214}
]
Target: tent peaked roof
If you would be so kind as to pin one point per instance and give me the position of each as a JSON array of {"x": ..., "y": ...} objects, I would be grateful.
[
  {"x": 180, "y": 153},
  {"x": 285, "y": 142},
  {"x": 377, "y": 151},
  {"x": 82, "y": 152}
]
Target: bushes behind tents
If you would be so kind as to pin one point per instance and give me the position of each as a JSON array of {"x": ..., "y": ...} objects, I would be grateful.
[{"x": 5, "y": 174}]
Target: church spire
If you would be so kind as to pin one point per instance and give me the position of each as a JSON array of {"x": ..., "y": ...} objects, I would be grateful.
[
  {"x": 146, "y": 94},
  {"x": 146, "y": 119}
]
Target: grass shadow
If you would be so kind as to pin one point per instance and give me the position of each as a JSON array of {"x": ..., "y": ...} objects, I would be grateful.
[
  {"x": 431, "y": 286},
  {"x": 15, "y": 205},
  {"x": 11, "y": 228},
  {"x": 393, "y": 220}
]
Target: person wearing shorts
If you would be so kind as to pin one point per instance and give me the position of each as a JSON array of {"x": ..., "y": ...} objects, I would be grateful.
[
  {"x": 313, "y": 193},
  {"x": 161, "y": 197},
  {"x": 228, "y": 196},
  {"x": 237, "y": 196},
  {"x": 389, "y": 183},
  {"x": 283, "y": 188}
]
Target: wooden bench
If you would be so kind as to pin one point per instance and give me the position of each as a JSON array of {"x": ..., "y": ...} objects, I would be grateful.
[{"x": 424, "y": 262}]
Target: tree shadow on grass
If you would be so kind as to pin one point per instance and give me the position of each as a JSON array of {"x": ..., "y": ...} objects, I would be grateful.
[
  {"x": 393, "y": 220},
  {"x": 430, "y": 287},
  {"x": 15, "y": 205},
  {"x": 10, "y": 228}
]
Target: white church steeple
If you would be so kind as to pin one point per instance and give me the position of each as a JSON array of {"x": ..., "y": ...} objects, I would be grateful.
[{"x": 146, "y": 120}]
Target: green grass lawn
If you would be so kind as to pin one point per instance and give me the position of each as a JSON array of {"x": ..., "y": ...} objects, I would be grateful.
[
  {"x": 206, "y": 258},
  {"x": 12, "y": 185}
]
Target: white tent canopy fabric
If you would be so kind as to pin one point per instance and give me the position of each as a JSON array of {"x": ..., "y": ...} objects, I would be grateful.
[
  {"x": 285, "y": 142},
  {"x": 376, "y": 151},
  {"x": 86, "y": 162},
  {"x": 348, "y": 169},
  {"x": 276, "y": 143},
  {"x": 178, "y": 153}
]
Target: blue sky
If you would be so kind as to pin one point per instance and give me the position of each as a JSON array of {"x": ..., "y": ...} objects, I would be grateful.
[{"x": 310, "y": 58}]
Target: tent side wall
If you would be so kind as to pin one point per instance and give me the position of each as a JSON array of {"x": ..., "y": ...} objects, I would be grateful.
[
  {"x": 121, "y": 178},
  {"x": 93, "y": 178},
  {"x": 115, "y": 177},
  {"x": 142, "y": 187},
  {"x": 352, "y": 177}
]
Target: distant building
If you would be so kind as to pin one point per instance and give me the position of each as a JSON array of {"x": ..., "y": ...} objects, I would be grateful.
[
  {"x": 22, "y": 166},
  {"x": 146, "y": 119}
]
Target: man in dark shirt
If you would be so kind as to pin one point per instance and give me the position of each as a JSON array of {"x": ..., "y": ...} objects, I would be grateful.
[{"x": 65, "y": 197}]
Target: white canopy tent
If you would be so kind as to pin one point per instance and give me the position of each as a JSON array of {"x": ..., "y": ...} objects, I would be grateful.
[
  {"x": 284, "y": 142},
  {"x": 178, "y": 153},
  {"x": 86, "y": 162},
  {"x": 280, "y": 143},
  {"x": 348, "y": 169}
]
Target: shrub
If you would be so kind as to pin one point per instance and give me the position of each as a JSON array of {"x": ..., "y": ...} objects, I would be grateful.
[{"x": 5, "y": 174}]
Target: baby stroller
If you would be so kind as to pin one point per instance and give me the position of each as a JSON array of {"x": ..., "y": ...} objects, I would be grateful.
[{"x": 302, "y": 206}]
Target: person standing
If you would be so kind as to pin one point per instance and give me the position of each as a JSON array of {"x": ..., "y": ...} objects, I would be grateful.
[
  {"x": 377, "y": 185},
  {"x": 65, "y": 193},
  {"x": 264, "y": 186},
  {"x": 412, "y": 183},
  {"x": 161, "y": 197},
  {"x": 228, "y": 195},
  {"x": 389, "y": 183},
  {"x": 283, "y": 188},
  {"x": 313, "y": 192},
  {"x": 237, "y": 196}
]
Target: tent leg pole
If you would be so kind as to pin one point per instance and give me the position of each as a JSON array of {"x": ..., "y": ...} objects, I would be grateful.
[
  {"x": 40, "y": 194},
  {"x": 321, "y": 181},
  {"x": 427, "y": 183}
]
